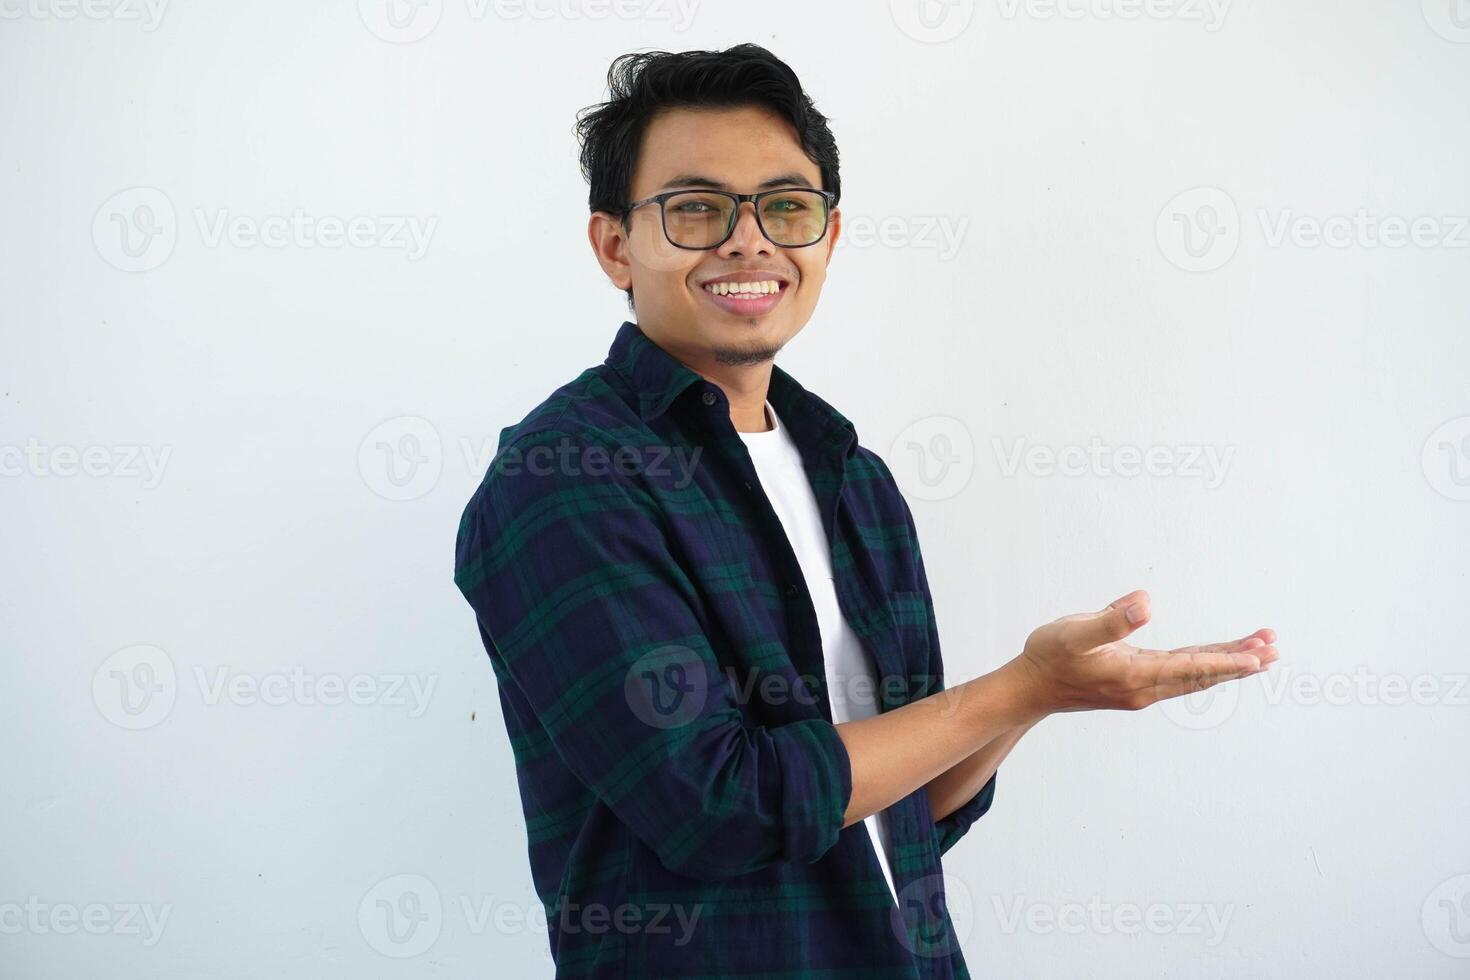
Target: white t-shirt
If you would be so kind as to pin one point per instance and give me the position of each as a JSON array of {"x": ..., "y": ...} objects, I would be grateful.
[{"x": 852, "y": 689}]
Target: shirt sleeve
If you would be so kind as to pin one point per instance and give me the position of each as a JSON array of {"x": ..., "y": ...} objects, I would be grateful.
[
  {"x": 948, "y": 829},
  {"x": 583, "y": 606}
]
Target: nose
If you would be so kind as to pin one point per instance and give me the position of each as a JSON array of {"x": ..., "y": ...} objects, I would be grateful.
[{"x": 746, "y": 239}]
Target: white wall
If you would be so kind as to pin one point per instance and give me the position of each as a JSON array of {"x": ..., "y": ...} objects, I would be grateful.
[{"x": 1029, "y": 289}]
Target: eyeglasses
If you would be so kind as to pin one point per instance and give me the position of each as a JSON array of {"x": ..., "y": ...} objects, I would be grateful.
[{"x": 791, "y": 217}]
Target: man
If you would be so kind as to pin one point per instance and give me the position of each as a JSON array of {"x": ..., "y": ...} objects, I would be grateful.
[{"x": 704, "y": 601}]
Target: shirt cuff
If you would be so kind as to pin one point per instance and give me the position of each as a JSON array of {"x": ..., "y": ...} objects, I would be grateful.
[
  {"x": 951, "y": 828},
  {"x": 818, "y": 787}
]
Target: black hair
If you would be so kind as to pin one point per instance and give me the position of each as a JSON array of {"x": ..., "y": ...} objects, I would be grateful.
[{"x": 642, "y": 84}]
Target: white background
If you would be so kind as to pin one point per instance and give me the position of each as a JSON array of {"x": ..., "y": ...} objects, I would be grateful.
[{"x": 1017, "y": 277}]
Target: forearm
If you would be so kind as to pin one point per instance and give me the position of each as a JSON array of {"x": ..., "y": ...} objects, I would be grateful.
[
  {"x": 896, "y": 752},
  {"x": 949, "y": 790}
]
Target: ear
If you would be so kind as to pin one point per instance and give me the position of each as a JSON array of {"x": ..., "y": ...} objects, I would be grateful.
[
  {"x": 610, "y": 244},
  {"x": 834, "y": 232}
]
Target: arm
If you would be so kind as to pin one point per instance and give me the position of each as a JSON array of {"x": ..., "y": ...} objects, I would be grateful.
[
  {"x": 952, "y": 788},
  {"x": 1075, "y": 663},
  {"x": 898, "y": 751}
]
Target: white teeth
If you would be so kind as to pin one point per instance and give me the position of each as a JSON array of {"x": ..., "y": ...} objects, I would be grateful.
[{"x": 744, "y": 288}]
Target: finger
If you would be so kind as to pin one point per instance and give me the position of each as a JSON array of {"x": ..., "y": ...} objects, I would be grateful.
[
  {"x": 1263, "y": 644},
  {"x": 1205, "y": 668},
  {"x": 1191, "y": 685},
  {"x": 1259, "y": 638}
]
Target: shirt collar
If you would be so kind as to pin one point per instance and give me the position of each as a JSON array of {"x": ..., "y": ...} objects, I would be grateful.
[{"x": 657, "y": 378}]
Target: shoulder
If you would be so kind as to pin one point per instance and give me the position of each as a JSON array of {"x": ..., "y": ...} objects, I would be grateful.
[
  {"x": 873, "y": 482},
  {"x": 558, "y": 444},
  {"x": 590, "y": 408}
]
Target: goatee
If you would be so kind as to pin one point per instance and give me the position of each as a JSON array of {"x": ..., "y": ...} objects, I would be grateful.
[{"x": 742, "y": 356}]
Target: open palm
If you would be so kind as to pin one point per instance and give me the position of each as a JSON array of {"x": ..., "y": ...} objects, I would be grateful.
[{"x": 1082, "y": 661}]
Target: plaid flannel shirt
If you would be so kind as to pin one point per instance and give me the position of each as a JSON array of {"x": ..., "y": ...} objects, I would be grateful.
[{"x": 661, "y": 679}]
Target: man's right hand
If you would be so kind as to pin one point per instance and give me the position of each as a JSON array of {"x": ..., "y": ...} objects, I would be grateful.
[{"x": 1080, "y": 662}]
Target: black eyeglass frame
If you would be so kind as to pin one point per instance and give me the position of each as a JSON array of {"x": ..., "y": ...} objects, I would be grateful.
[{"x": 755, "y": 199}]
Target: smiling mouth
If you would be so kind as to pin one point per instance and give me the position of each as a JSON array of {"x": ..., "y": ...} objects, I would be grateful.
[
  {"x": 749, "y": 298},
  {"x": 741, "y": 290}
]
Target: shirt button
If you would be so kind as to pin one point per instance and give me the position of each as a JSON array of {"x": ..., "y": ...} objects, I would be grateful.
[
  {"x": 747, "y": 484},
  {"x": 709, "y": 397},
  {"x": 793, "y": 590}
]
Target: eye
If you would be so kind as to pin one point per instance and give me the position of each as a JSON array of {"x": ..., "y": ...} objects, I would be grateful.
[{"x": 786, "y": 206}]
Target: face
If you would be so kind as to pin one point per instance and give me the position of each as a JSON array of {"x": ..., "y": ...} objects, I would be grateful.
[{"x": 744, "y": 150}]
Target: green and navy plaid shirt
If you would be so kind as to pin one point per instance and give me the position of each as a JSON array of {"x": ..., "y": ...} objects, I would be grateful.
[{"x": 661, "y": 678}]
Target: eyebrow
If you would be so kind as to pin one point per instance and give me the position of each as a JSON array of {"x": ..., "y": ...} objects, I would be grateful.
[{"x": 699, "y": 180}]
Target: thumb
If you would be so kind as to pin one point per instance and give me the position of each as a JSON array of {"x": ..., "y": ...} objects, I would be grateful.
[{"x": 1120, "y": 617}]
